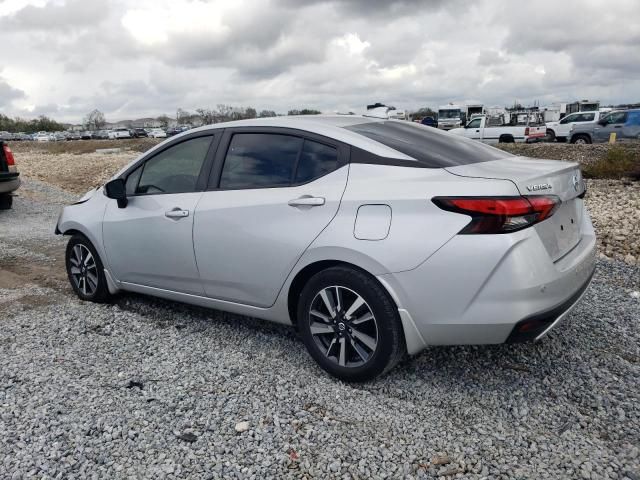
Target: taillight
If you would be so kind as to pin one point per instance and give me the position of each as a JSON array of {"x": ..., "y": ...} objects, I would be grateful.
[
  {"x": 526, "y": 132},
  {"x": 500, "y": 214},
  {"x": 8, "y": 155}
]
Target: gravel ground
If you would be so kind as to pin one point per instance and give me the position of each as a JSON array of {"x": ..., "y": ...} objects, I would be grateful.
[{"x": 144, "y": 388}]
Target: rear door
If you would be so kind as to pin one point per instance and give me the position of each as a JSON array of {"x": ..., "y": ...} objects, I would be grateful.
[
  {"x": 614, "y": 123},
  {"x": 631, "y": 128},
  {"x": 271, "y": 193}
]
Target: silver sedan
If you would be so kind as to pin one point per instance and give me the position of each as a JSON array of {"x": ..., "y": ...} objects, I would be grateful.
[{"x": 374, "y": 238}]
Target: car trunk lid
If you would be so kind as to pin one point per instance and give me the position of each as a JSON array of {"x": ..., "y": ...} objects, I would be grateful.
[{"x": 561, "y": 232}]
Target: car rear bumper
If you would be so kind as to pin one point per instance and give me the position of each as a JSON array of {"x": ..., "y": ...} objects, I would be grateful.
[
  {"x": 9, "y": 181},
  {"x": 537, "y": 326},
  {"x": 476, "y": 290}
]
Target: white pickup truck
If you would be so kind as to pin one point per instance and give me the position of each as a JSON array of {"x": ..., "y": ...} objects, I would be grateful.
[
  {"x": 561, "y": 130},
  {"x": 493, "y": 130}
]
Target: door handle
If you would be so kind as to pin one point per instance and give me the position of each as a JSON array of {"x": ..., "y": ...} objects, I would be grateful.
[
  {"x": 477, "y": 131},
  {"x": 306, "y": 201},
  {"x": 617, "y": 126},
  {"x": 176, "y": 213}
]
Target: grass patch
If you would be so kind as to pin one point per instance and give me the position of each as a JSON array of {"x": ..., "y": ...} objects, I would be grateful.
[{"x": 617, "y": 163}]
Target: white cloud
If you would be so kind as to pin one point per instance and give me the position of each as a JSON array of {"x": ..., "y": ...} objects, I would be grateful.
[{"x": 149, "y": 57}]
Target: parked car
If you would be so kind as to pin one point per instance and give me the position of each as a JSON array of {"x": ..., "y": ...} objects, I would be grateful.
[
  {"x": 74, "y": 136},
  {"x": 561, "y": 129},
  {"x": 21, "y": 136},
  {"x": 119, "y": 133},
  {"x": 86, "y": 135},
  {"x": 624, "y": 123},
  {"x": 482, "y": 128},
  {"x": 101, "y": 135},
  {"x": 139, "y": 133},
  {"x": 429, "y": 122},
  {"x": 9, "y": 176},
  {"x": 6, "y": 136},
  {"x": 177, "y": 130},
  {"x": 157, "y": 133},
  {"x": 43, "y": 137},
  {"x": 373, "y": 237}
]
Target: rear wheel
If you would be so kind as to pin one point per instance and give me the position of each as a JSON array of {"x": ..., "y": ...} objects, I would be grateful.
[
  {"x": 85, "y": 270},
  {"x": 350, "y": 325},
  {"x": 551, "y": 135},
  {"x": 6, "y": 201},
  {"x": 506, "y": 139},
  {"x": 581, "y": 139}
]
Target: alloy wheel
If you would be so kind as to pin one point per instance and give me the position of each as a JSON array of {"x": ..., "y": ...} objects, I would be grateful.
[
  {"x": 343, "y": 326},
  {"x": 84, "y": 270}
]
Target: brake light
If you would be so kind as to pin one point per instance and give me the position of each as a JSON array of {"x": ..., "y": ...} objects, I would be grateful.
[
  {"x": 8, "y": 155},
  {"x": 500, "y": 214}
]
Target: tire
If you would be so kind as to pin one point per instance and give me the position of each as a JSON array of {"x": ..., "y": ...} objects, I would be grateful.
[
  {"x": 506, "y": 139},
  {"x": 89, "y": 283},
  {"x": 6, "y": 202},
  {"x": 551, "y": 136},
  {"x": 581, "y": 139},
  {"x": 349, "y": 345}
]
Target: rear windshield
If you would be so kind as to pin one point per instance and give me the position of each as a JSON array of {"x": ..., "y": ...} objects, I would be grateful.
[{"x": 431, "y": 147}]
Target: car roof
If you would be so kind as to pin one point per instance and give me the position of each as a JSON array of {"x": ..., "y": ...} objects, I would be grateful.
[{"x": 332, "y": 126}]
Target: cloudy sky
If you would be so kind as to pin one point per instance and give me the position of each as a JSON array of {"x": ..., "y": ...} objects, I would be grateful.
[{"x": 147, "y": 57}]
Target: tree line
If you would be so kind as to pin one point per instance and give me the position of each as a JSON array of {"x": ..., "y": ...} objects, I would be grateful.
[
  {"x": 95, "y": 120},
  {"x": 42, "y": 123}
]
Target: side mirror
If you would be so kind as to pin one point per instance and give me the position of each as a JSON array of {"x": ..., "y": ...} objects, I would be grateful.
[{"x": 117, "y": 190}]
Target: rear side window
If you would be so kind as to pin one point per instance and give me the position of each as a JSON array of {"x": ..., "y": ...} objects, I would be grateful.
[
  {"x": 616, "y": 117},
  {"x": 260, "y": 160},
  {"x": 431, "y": 147},
  {"x": 633, "y": 118},
  {"x": 316, "y": 160}
]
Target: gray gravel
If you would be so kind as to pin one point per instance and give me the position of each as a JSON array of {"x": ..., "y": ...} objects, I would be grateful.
[{"x": 146, "y": 388}]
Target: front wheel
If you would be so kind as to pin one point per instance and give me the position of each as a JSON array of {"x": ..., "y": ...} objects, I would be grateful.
[
  {"x": 85, "y": 270},
  {"x": 350, "y": 325}
]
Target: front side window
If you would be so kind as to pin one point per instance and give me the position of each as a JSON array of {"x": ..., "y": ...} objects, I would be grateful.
[
  {"x": 260, "y": 160},
  {"x": 175, "y": 170},
  {"x": 474, "y": 123},
  {"x": 568, "y": 119}
]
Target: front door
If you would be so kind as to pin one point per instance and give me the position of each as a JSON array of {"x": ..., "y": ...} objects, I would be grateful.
[
  {"x": 149, "y": 242},
  {"x": 472, "y": 130},
  {"x": 272, "y": 197}
]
